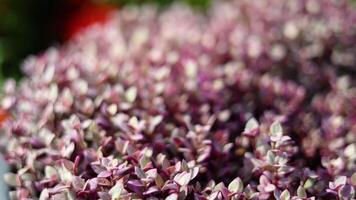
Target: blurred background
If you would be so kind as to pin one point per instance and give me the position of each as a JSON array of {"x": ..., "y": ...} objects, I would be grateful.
[{"x": 28, "y": 27}]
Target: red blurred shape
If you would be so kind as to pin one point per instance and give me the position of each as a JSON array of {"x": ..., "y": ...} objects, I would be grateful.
[
  {"x": 88, "y": 14},
  {"x": 3, "y": 116}
]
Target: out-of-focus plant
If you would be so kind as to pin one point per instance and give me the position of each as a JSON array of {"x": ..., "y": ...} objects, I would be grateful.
[{"x": 28, "y": 27}]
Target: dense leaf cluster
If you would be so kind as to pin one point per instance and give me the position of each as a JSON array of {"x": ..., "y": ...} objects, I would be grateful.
[{"x": 179, "y": 105}]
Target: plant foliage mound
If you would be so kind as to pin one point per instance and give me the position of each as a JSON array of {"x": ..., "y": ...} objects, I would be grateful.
[{"x": 250, "y": 100}]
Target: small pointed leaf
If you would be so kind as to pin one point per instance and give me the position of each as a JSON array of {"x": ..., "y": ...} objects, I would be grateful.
[
  {"x": 285, "y": 195},
  {"x": 276, "y": 129},
  {"x": 131, "y": 94},
  {"x": 251, "y": 124},
  {"x": 236, "y": 185},
  {"x": 301, "y": 192}
]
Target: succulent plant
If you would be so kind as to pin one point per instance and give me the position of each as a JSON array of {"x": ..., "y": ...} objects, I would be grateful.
[{"x": 253, "y": 100}]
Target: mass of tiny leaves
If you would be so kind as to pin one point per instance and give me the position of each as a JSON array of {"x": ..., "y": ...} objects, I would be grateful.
[{"x": 250, "y": 100}]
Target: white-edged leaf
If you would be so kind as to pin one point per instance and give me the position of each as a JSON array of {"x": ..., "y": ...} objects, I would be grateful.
[
  {"x": 285, "y": 195},
  {"x": 269, "y": 187},
  {"x": 270, "y": 157},
  {"x": 341, "y": 180},
  {"x": 182, "y": 178},
  {"x": 10, "y": 179},
  {"x": 131, "y": 94},
  {"x": 152, "y": 173},
  {"x": 116, "y": 191},
  {"x": 44, "y": 194},
  {"x": 65, "y": 174},
  {"x": 251, "y": 124},
  {"x": 301, "y": 192},
  {"x": 219, "y": 186},
  {"x": 67, "y": 152},
  {"x": 308, "y": 183},
  {"x": 50, "y": 171},
  {"x": 214, "y": 195},
  {"x": 350, "y": 151},
  {"x": 194, "y": 172},
  {"x": 144, "y": 160},
  {"x": 155, "y": 121},
  {"x": 172, "y": 196},
  {"x": 70, "y": 195},
  {"x": 236, "y": 185},
  {"x": 112, "y": 109},
  {"x": 276, "y": 129},
  {"x": 140, "y": 173}
]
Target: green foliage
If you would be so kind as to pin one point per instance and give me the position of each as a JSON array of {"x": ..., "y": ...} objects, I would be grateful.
[{"x": 24, "y": 30}]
